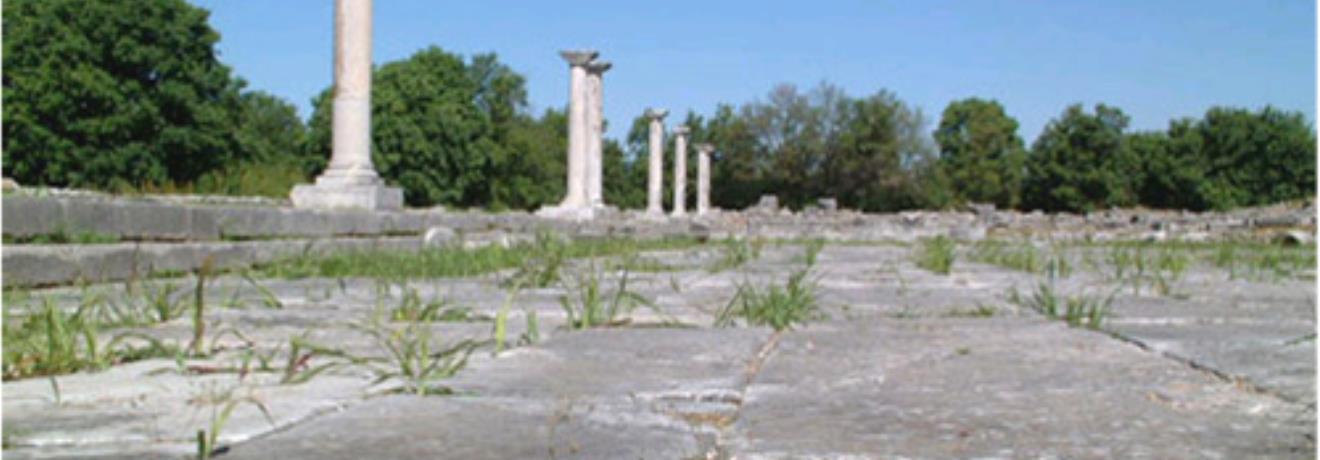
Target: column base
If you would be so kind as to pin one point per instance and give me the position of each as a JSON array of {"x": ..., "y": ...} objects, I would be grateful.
[
  {"x": 330, "y": 195},
  {"x": 567, "y": 212}
]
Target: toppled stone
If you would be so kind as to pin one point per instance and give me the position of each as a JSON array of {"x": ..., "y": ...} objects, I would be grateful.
[{"x": 438, "y": 236}]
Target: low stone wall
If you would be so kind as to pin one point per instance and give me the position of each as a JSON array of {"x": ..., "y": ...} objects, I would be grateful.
[
  {"x": 177, "y": 234},
  {"x": 38, "y": 265}
]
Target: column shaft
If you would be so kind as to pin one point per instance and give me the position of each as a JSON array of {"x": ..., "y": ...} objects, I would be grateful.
[
  {"x": 703, "y": 178},
  {"x": 595, "y": 132},
  {"x": 680, "y": 170},
  {"x": 350, "y": 159},
  {"x": 655, "y": 171}
]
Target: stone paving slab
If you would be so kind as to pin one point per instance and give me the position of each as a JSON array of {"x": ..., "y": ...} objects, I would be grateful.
[
  {"x": 627, "y": 393},
  {"x": 1015, "y": 384},
  {"x": 989, "y": 388}
]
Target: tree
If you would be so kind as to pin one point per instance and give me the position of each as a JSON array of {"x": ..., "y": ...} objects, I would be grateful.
[
  {"x": 1080, "y": 163},
  {"x": 269, "y": 130},
  {"x": 738, "y": 170},
  {"x": 104, "y": 93},
  {"x": 981, "y": 152},
  {"x": 1251, "y": 159},
  {"x": 871, "y": 164}
]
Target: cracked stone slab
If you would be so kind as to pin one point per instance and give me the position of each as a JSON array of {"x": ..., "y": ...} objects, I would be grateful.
[
  {"x": 620, "y": 393},
  {"x": 997, "y": 388}
]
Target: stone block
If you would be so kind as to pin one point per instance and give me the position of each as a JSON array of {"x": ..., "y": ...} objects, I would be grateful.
[
  {"x": 29, "y": 216},
  {"x": 347, "y": 196}
]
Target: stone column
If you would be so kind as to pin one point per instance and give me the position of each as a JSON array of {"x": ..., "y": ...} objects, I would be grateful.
[
  {"x": 703, "y": 178},
  {"x": 680, "y": 170},
  {"x": 350, "y": 181},
  {"x": 656, "y": 173},
  {"x": 595, "y": 132},
  {"x": 575, "y": 196}
]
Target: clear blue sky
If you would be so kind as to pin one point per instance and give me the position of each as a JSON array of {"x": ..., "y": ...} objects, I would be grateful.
[{"x": 1155, "y": 59}]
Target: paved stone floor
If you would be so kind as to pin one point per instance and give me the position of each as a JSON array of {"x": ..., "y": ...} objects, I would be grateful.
[{"x": 905, "y": 364}]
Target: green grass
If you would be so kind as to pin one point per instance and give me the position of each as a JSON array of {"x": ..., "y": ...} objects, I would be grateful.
[
  {"x": 588, "y": 305},
  {"x": 735, "y": 253},
  {"x": 455, "y": 261},
  {"x": 980, "y": 311},
  {"x": 1153, "y": 265},
  {"x": 60, "y": 235},
  {"x": 936, "y": 254},
  {"x": 1023, "y": 257},
  {"x": 541, "y": 265},
  {"x": 774, "y": 306},
  {"x": 54, "y": 342},
  {"x": 1263, "y": 262},
  {"x": 1084, "y": 310},
  {"x": 811, "y": 251},
  {"x": 414, "y": 356},
  {"x": 412, "y": 308},
  {"x": 46, "y": 340}
]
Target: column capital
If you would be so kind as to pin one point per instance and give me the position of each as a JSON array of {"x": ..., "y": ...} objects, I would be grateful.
[
  {"x": 578, "y": 58},
  {"x": 598, "y": 67},
  {"x": 704, "y": 148},
  {"x": 656, "y": 114},
  {"x": 681, "y": 130}
]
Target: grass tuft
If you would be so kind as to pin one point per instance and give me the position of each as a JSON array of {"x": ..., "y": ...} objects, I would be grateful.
[
  {"x": 774, "y": 306},
  {"x": 936, "y": 254}
]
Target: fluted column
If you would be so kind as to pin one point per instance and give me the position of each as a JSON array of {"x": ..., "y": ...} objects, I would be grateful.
[
  {"x": 350, "y": 180},
  {"x": 703, "y": 177},
  {"x": 575, "y": 195},
  {"x": 655, "y": 172},
  {"x": 595, "y": 132},
  {"x": 680, "y": 170}
]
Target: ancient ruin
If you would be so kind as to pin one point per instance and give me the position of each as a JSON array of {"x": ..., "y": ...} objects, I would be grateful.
[{"x": 337, "y": 324}]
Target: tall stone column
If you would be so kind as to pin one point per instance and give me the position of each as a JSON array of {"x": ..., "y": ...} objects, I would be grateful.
[
  {"x": 595, "y": 132},
  {"x": 680, "y": 170},
  {"x": 350, "y": 181},
  {"x": 703, "y": 178},
  {"x": 655, "y": 172},
  {"x": 575, "y": 196}
]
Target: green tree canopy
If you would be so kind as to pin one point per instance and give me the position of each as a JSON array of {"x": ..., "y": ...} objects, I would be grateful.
[
  {"x": 1080, "y": 163},
  {"x": 981, "y": 152},
  {"x": 100, "y": 93},
  {"x": 1249, "y": 158}
]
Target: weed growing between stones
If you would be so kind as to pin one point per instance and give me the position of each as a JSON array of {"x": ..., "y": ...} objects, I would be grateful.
[
  {"x": 540, "y": 268},
  {"x": 735, "y": 253},
  {"x": 1084, "y": 310},
  {"x": 779, "y": 308},
  {"x": 774, "y": 306},
  {"x": 587, "y": 305},
  {"x": 456, "y": 261},
  {"x": 1267, "y": 262},
  {"x": 980, "y": 311},
  {"x": 1144, "y": 265},
  {"x": 413, "y": 355},
  {"x": 812, "y": 250},
  {"x": 54, "y": 342},
  {"x": 412, "y": 308},
  {"x": 223, "y": 404},
  {"x": 936, "y": 254},
  {"x": 1023, "y": 257}
]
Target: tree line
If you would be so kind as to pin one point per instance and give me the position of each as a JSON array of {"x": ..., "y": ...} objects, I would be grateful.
[{"x": 131, "y": 96}]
